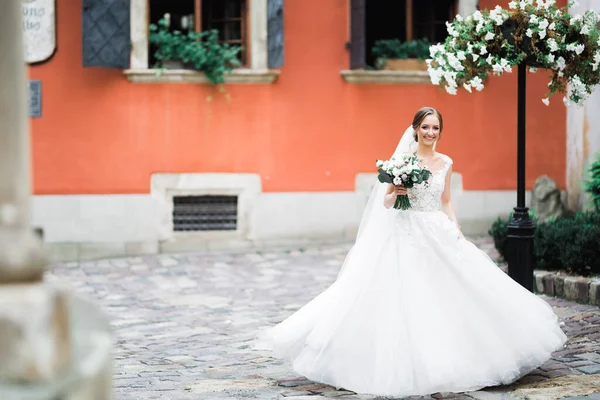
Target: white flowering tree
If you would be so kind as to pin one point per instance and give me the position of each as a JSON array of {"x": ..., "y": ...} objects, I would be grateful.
[{"x": 539, "y": 34}]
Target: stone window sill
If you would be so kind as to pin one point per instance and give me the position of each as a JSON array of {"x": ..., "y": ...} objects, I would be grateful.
[
  {"x": 386, "y": 77},
  {"x": 188, "y": 76}
]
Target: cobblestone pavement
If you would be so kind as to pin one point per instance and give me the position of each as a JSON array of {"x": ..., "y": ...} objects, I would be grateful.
[{"x": 184, "y": 326}]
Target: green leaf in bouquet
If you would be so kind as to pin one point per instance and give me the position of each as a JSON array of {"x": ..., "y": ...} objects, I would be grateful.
[{"x": 384, "y": 177}]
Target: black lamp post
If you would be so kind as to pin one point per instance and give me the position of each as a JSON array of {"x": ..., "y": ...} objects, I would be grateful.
[{"x": 521, "y": 228}]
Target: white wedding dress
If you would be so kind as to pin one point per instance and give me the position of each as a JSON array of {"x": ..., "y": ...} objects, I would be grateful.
[{"x": 416, "y": 310}]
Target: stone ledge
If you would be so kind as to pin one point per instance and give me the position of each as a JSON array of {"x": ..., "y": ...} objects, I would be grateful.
[
  {"x": 386, "y": 77},
  {"x": 244, "y": 76},
  {"x": 577, "y": 288}
]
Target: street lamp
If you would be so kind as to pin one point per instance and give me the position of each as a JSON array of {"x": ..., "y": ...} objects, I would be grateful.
[{"x": 521, "y": 228}]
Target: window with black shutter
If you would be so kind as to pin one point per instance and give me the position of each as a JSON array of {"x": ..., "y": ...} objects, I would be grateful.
[
  {"x": 373, "y": 20},
  {"x": 205, "y": 213}
]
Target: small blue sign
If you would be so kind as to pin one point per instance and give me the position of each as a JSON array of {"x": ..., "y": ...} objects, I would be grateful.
[{"x": 35, "y": 98}]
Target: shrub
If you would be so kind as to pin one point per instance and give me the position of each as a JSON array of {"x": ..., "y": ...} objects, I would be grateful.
[
  {"x": 571, "y": 243},
  {"x": 395, "y": 49},
  {"x": 592, "y": 187}
]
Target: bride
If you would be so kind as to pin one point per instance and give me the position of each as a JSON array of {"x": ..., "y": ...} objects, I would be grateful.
[{"x": 417, "y": 309}]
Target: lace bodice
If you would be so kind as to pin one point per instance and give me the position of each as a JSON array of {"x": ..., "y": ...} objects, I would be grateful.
[{"x": 429, "y": 197}]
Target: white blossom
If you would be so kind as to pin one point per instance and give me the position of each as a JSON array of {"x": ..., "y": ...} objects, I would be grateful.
[
  {"x": 522, "y": 4},
  {"x": 469, "y": 47},
  {"x": 498, "y": 69},
  {"x": 489, "y": 36},
  {"x": 451, "y": 31},
  {"x": 542, "y": 34},
  {"x": 585, "y": 30},
  {"x": 561, "y": 63},
  {"x": 512, "y": 5},
  {"x": 490, "y": 59},
  {"x": 467, "y": 87},
  {"x": 553, "y": 45},
  {"x": 544, "y": 24},
  {"x": 475, "y": 57},
  {"x": 552, "y": 26},
  {"x": 529, "y": 32},
  {"x": 567, "y": 102},
  {"x": 459, "y": 18},
  {"x": 579, "y": 48},
  {"x": 483, "y": 50},
  {"x": 546, "y": 101},
  {"x": 477, "y": 83},
  {"x": 451, "y": 90},
  {"x": 479, "y": 26},
  {"x": 551, "y": 58},
  {"x": 533, "y": 19},
  {"x": 533, "y": 70},
  {"x": 477, "y": 16},
  {"x": 576, "y": 18},
  {"x": 436, "y": 75},
  {"x": 461, "y": 55}
]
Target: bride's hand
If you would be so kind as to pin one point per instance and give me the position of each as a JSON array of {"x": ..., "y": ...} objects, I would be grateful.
[
  {"x": 460, "y": 234},
  {"x": 400, "y": 190}
]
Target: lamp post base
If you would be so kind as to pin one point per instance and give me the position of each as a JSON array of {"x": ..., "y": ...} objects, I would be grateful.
[{"x": 521, "y": 230}]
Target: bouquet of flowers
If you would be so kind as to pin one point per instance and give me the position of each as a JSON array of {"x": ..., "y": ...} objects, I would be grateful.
[{"x": 406, "y": 171}]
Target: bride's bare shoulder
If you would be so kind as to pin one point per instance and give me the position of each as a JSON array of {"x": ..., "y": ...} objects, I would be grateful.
[{"x": 445, "y": 157}]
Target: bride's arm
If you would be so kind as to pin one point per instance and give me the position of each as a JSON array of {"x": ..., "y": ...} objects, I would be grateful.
[
  {"x": 447, "y": 206},
  {"x": 390, "y": 196}
]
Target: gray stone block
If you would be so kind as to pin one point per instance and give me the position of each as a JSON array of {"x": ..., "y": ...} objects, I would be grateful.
[
  {"x": 594, "y": 293},
  {"x": 538, "y": 277},
  {"x": 548, "y": 283},
  {"x": 577, "y": 288},
  {"x": 559, "y": 285}
]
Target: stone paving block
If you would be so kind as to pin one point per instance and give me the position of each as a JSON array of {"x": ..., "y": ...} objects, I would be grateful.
[
  {"x": 590, "y": 369},
  {"x": 295, "y": 394}
]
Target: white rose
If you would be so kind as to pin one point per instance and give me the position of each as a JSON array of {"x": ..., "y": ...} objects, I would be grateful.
[{"x": 546, "y": 101}]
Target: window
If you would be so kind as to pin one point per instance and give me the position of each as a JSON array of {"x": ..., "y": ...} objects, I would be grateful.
[
  {"x": 406, "y": 20},
  {"x": 115, "y": 35},
  {"x": 372, "y": 20},
  {"x": 226, "y": 16}
]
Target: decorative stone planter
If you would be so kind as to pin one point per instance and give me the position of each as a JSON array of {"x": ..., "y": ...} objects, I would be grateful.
[{"x": 410, "y": 64}]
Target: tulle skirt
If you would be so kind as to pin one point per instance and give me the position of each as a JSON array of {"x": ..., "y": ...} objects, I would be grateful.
[{"x": 418, "y": 312}]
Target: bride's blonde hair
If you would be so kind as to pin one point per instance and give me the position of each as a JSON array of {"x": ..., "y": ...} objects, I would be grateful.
[{"x": 421, "y": 115}]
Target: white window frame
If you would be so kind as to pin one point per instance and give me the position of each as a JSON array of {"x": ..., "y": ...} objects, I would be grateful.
[{"x": 140, "y": 72}]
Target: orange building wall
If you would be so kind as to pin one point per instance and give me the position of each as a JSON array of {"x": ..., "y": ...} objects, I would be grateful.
[{"x": 310, "y": 131}]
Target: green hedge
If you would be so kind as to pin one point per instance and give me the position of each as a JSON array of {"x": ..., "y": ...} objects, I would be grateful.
[{"x": 571, "y": 243}]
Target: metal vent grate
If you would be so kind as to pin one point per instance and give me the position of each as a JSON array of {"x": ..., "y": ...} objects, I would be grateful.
[{"x": 204, "y": 213}]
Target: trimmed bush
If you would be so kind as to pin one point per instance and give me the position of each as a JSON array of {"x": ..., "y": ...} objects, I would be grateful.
[{"x": 571, "y": 243}]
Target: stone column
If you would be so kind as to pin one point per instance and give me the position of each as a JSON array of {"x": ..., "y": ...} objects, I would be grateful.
[
  {"x": 20, "y": 250},
  {"x": 52, "y": 344},
  {"x": 583, "y": 136}
]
